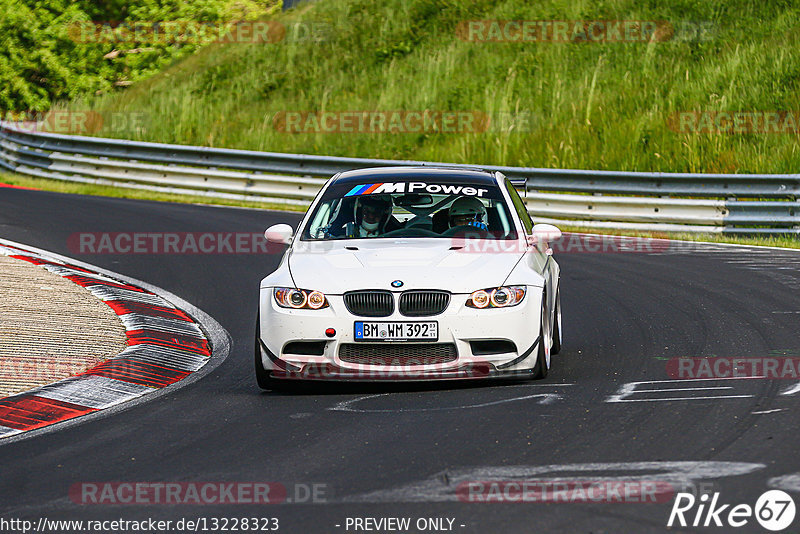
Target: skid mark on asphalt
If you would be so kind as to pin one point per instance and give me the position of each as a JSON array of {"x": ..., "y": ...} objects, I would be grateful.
[
  {"x": 452, "y": 485},
  {"x": 350, "y": 404},
  {"x": 791, "y": 390},
  {"x": 686, "y": 390},
  {"x": 786, "y": 482},
  {"x": 347, "y": 406}
]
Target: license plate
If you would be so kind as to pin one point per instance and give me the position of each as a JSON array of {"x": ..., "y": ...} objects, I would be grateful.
[{"x": 396, "y": 331}]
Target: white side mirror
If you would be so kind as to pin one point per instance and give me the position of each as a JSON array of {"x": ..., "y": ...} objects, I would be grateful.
[
  {"x": 279, "y": 233},
  {"x": 544, "y": 234}
]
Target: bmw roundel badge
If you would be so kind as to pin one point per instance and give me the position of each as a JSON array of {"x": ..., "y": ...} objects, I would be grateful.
[{"x": 397, "y": 283}]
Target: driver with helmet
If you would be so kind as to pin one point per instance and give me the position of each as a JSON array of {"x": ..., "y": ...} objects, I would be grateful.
[
  {"x": 468, "y": 211},
  {"x": 371, "y": 215}
]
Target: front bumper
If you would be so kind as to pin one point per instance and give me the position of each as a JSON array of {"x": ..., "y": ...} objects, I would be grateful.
[{"x": 460, "y": 326}]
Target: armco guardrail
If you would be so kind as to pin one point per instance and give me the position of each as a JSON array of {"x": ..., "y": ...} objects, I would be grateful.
[{"x": 602, "y": 199}]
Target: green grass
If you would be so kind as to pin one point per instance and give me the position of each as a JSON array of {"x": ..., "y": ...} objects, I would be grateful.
[
  {"x": 45, "y": 56},
  {"x": 594, "y": 105}
]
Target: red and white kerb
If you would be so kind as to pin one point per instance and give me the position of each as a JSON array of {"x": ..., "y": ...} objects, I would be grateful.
[{"x": 165, "y": 345}]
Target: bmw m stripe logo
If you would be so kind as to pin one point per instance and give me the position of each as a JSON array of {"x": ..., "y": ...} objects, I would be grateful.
[
  {"x": 364, "y": 189},
  {"x": 397, "y": 283}
]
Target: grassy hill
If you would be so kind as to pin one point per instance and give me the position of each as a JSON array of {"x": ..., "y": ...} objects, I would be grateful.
[
  {"x": 48, "y": 52},
  {"x": 601, "y": 105}
]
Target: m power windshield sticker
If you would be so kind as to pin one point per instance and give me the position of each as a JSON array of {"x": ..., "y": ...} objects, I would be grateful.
[{"x": 415, "y": 187}]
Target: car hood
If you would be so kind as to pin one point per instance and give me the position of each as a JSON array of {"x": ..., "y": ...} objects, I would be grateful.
[{"x": 338, "y": 266}]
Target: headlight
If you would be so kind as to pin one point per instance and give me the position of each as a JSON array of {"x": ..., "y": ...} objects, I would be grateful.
[
  {"x": 289, "y": 297},
  {"x": 499, "y": 297}
]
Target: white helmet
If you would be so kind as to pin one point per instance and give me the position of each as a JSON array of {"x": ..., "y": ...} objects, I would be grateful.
[
  {"x": 466, "y": 210},
  {"x": 378, "y": 208}
]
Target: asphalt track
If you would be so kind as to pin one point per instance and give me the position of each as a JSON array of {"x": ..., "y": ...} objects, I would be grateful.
[{"x": 387, "y": 451}]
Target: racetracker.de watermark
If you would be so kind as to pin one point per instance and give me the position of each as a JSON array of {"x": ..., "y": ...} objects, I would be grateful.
[
  {"x": 402, "y": 122},
  {"x": 204, "y": 493},
  {"x": 167, "y": 32},
  {"x": 740, "y": 367},
  {"x": 378, "y": 369},
  {"x": 735, "y": 122},
  {"x": 71, "y": 122},
  {"x": 255, "y": 243},
  {"x": 550, "y": 491},
  {"x": 583, "y": 31},
  {"x": 171, "y": 243},
  {"x": 569, "y": 243},
  {"x": 38, "y": 369}
]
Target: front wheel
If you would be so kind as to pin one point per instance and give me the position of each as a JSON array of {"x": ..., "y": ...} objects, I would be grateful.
[
  {"x": 543, "y": 352},
  {"x": 263, "y": 379},
  {"x": 556, "y": 348}
]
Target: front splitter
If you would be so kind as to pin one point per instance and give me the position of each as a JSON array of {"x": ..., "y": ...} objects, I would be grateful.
[{"x": 333, "y": 373}]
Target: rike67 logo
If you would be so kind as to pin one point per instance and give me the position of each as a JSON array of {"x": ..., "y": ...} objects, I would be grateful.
[{"x": 774, "y": 510}]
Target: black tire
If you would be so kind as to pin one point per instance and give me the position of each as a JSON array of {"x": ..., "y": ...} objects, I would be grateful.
[
  {"x": 556, "y": 348},
  {"x": 262, "y": 375},
  {"x": 541, "y": 369}
]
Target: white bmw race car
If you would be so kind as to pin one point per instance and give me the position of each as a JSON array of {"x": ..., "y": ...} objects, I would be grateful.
[{"x": 410, "y": 273}]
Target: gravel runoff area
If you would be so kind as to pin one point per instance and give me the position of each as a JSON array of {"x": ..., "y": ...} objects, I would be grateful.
[{"x": 50, "y": 327}]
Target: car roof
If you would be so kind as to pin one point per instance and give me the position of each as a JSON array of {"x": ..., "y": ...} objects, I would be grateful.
[{"x": 441, "y": 174}]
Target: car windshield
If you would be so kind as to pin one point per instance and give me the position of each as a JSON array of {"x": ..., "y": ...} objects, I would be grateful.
[{"x": 411, "y": 209}]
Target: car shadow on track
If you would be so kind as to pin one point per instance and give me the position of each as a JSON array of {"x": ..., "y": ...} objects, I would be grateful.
[{"x": 304, "y": 388}]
